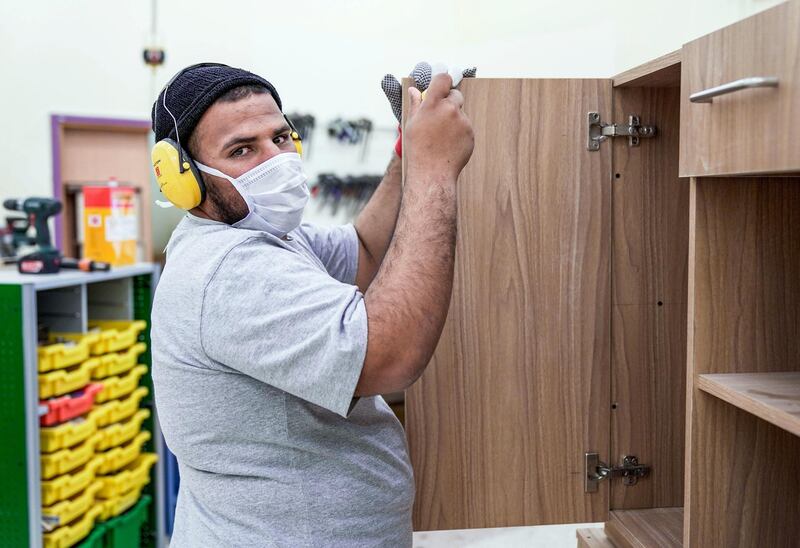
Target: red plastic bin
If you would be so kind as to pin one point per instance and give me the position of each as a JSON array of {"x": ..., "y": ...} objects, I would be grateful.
[{"x": 70, "y": 406}]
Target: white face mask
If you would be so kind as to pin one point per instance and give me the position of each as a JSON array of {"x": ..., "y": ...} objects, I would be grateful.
[{"x": 276, "y": 192}]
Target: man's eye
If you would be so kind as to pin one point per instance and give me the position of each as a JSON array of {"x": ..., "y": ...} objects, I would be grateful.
[
  {"x": 280, "y": 139},
  {"x": 241, "y": 151}
]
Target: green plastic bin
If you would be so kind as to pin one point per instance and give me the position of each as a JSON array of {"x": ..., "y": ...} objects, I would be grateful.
[
  {"x": 96, "y": 538},
  {"x": 125, "y": 531}
]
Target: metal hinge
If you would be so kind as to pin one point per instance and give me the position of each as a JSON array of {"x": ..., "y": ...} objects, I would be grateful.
[
  {"x": 596, "y": 471},
  {"x": 599, "y": 131}
]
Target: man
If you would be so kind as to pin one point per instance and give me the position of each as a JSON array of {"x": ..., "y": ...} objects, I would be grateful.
[{"x": 271, "y": 341}]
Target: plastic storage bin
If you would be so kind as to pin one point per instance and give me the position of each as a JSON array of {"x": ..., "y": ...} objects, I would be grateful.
[
  {"x": 133, "y": 475},
  {"x": 68, "y": 510},
  {"x": 115, "y": 335},
  {"x": 117, "y": 387},
  {"x": 59, "y": 355},
  {"x": 118, "y": 363},
  {"x": 68, "y": 407},
  {"x": 125, "y": 531},
  {"x": 118, "y": 410},
  {"x": 96, "y": 539},
  {"x": 116, "y": 458},
  {"x": 64, "y": 487},
  {"x": 53, "y": 438},
  {"x": 118, "y": 505},
  {"x": 121, "y": 432},
  {"x": 68, "y": 535},
  {"x": 66, "y": 460},
  {"x": 63, "y": 381}
]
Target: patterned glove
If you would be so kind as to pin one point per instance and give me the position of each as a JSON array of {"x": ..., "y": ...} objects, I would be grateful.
[{"x": 422, "y": 74}]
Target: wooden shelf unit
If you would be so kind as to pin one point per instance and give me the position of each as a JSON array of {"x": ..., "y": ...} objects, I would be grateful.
[{"x": 773, "y": 397}]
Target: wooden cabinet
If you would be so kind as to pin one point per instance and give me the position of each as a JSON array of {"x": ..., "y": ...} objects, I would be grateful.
[
  {"x": 604, "y": 304},
  {"x": 753, "y": 129}
]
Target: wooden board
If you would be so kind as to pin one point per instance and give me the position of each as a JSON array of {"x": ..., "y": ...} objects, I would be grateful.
[
  {"x": 649, "y": 279},
  {"x": 655, "y": 527},
  {"x": 744, "y": 317},
  {"x": 518, "y": 388},
  {"x": 753, "y": 130},
  {"x": 664, "y": 71},
  {"x": 593, "y": 538},
  {"x": 773, "y": 397}
]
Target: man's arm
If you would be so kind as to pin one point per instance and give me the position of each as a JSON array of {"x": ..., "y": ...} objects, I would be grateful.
[
  {"x": 376, "y": 223},
  {"x": 408, "y": 300}
]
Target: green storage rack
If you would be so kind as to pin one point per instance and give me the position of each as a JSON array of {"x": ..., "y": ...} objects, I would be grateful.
[{"x": 65, "y": 301}]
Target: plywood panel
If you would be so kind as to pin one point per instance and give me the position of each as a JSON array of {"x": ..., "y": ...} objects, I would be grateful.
[
  {"x": 649, "y": 279},
  {"x": 518, "y": 388},
  {"x": 665, "y": 71},
  {"x": 744, "y": 317},
  {"x": 747, "y": 275},
  {"x": 649, "y": 395}
]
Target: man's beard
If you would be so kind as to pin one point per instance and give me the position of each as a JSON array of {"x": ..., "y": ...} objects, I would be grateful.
[{"x": 225, "y": 211}]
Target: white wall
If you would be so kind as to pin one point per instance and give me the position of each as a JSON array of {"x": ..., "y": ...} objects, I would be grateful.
[{"x": 325, "y": 56}]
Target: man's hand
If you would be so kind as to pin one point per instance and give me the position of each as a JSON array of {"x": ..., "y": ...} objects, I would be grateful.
[
  {"x": 439, "y": 136},
  {"x": 422, "y": 75}
]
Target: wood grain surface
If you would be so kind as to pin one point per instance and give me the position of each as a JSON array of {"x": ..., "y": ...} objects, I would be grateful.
[
  {"x": 773, "y": 397},
  {"x": 649, "y": 279},
  {"x": 664, "y": 71},
  {"x": 649, "y": 528},
  {"x": 593, "y": 538},
  {"x": 748, "y": 131},
  {"x": 518, "y": 388},
  {"x": 744, "y": 317}
]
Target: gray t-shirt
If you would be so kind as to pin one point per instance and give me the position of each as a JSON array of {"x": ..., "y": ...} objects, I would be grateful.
[{"x": 258, "y": 344}]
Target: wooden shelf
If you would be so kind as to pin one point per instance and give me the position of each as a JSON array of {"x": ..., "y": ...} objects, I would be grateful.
[
  {"x": 773, "y": 397},
  {"x": 662, "y": 527}
]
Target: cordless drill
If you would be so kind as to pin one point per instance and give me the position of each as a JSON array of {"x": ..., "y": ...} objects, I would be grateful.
[{"x": 45, "y": 259}]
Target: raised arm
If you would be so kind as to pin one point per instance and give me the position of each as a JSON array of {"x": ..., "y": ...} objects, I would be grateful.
[{"x": 408, "y": 300}]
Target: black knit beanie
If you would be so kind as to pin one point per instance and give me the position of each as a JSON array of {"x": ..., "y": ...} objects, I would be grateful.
[{"x": 195, "y": 89}]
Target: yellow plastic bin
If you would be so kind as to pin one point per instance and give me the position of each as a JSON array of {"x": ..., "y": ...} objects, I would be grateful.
[
  {"x": 121, "y": 432},
  {"x": 115, "y": 335},
  {"x": 117, "y": 387},
  {"x": 123, "y": 455},
  {"x": 132, "y": 476},
  {"x": 118, "y": 363},
  {"x": 53, "y": 438},
  {"x": 67, "y": 485},
  {"x": 66, "y": 460},
  {"x": 63, "y": 381},
  {"x": 68, "y": 510},
  {"x": 58, "y": 354},
  {"x": 69, "y": 535},
  {"x": 118, "y": 505},
  {"x": 118, "y": 410}
]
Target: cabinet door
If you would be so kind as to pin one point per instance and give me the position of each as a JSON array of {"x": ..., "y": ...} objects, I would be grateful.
[{"x": 519, "y": 386}]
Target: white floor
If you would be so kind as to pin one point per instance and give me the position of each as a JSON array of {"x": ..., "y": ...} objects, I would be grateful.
[{"x": 549, "y": 536}]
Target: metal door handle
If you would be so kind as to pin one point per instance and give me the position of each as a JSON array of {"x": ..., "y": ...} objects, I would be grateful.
[{"x": 707, "y": 95}]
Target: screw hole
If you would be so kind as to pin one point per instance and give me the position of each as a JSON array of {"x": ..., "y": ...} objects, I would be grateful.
[
  {"x": 613, "y": 406},
  {"x": 617, "y": 175},
  {"x": 660, "y": 303}
]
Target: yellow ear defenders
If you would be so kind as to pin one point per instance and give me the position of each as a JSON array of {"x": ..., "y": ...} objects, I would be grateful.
[{"x": 177, "y": 175}]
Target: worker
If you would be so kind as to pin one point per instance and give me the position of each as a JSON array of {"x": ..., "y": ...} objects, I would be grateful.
[{"x": 272, "y": 340}]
